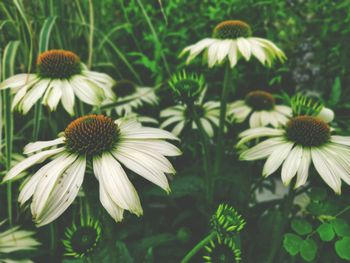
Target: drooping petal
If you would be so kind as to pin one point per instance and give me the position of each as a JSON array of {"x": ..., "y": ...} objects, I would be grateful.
[
  {"x": 277, "y": 158},
  {"x": 48, "y": 182},
  {"x": 116, "y": 183},
  {"x": 68, "y": 97},
  {"x": 262, "y": 150},
  {"x": 39, "y": 145},
  {"x": 326, "y": 172},
  {"x": 30, "y": 161},
  {"x": 140, "y": 165},
  {"x": 291, "y": 164},
  {"x": 63, "y": 193},
  {"x": 303, "y": 170}
]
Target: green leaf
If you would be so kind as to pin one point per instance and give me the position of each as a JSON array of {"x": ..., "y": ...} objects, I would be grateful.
[
  {"x": 308, "y": 250},
  {"x": 326, "y": 232},
  {"x": 301, "y": 226},
  {"x": 45, "y": 33},
  {"x": 335, "y": 92},
  {"x": 341, "y": 227},
  {"x": 291, "y": 243},
  {"x": 342, "y": 248}
]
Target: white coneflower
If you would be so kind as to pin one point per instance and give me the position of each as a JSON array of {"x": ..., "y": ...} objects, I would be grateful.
[
  {"x": 60, "y": 77},
  {"x": 108, "y": 144},
  {"x": 305, "y": 139},
  {"x": 131, "y": 96},
  {"x": 261, "y": 107},
  {"x": 231, "y": 41},
  {"x": 180, "y": 116},
  {"x": 15, "y": 240}
]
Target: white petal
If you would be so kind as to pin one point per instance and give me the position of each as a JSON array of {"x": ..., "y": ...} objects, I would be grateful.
[
  {"x": 207, "y": 127},
  {"x": 258, "y": 51},
  {"x": 262, "y": 150},
  {"x": 55, "y": 95},
  {"x": 342, "y": 140},
  {"x": 39, "y": 145},
  {"x": 284, "y": 109},
  {"x": 326, "y": 115},
  {"x": 30, "y": 161},
  {"x": 140, "y": 165},
  {"x": 171, "y": 120},
  {"x": 276, "y": 158},
  {"x": 144, "y": 133},
  {"x": 257, "y": 133},
  {"x": 33, "y": 95},
  {"x": 162, "y": 147},
  {"x": 254, "y": 120},
  {"x": 291, "y": 164},
  {"x": 18, "y": 81},
  {"x": 223, "y": 50},
  {"x": 112, "y": 208},
  {"x": 116, "y": 183},
  {"x": 232, "y": 54},
  {"x": 326, "y": 172},
  {"x": 85, "y": 91},
  {"x": 68, "y": 97},
  {"x": 244, "y": 47},
  {"x": 212, "y": 53},
  {"x": 63, "y": 193},
  {"x": 48, "y": 182},
  {"x": 303, "y": 171},
  {"x": 178, "y": 128}
]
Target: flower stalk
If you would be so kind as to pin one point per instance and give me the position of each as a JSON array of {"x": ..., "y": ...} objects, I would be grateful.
[
  {"x": 220, "y": 136},
  {"x": 198, "y": 247}
]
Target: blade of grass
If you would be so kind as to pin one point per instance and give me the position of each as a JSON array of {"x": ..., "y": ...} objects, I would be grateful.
[
  {"x": 91, "y": 33},
  {"x": 7, "y": 71},
  {"x": 29, "y": 31},
  {"x": 44, "y": 39}
]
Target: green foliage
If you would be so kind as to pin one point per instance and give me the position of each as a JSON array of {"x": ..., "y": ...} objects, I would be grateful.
[
  {"x": 292, "y": 243},
  {"x": 301, "y": 226},
  {"x": 342, "y": 248},
  {"x": 308, "y": 250},
  {"x": 326, "y": 232}
]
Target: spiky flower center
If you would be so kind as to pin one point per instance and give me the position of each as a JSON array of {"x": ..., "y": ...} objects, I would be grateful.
[
  {"x": 308, "y": 131},
  {"x": 58, "y": 64},
  {"x": 188, "y": 86},
  {"x": 124, "y": 88},
  {"x": 91, "y": 135},
  {"x": 84, "y": 240},
  {"x": 232, "y": 29},
  {"x": 260, "y": 100}
]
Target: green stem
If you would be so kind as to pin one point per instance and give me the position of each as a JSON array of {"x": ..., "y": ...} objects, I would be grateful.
[
  {"x": 9, "y": 144},
  {"x": 201, "y": 244},
  {"x": 277, "y": 240},
  {"x": 37, "y": 120},
  {"x": 91, "y": 33},
  {"x": 220, "y": 136},
  {"x": 206, "y": 152}
]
